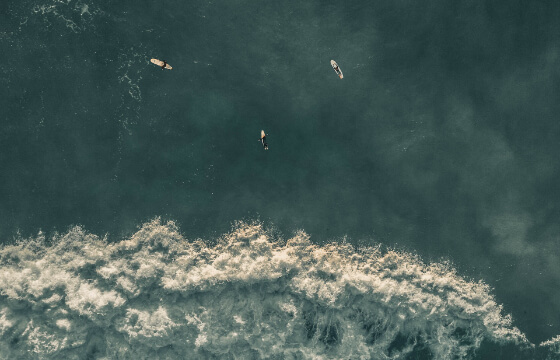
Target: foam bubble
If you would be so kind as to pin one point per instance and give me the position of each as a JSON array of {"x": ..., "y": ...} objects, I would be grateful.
[{"x": 157, "y": 295}]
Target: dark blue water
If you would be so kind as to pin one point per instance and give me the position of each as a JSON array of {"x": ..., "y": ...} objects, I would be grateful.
[{"x": 441, "y": 140}]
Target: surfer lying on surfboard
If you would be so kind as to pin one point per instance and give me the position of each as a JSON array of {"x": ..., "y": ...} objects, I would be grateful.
[
  {"x": 162, "y": 64},
  {"x": 336, "y": 69},
  {"x": 263, "y": 140}
]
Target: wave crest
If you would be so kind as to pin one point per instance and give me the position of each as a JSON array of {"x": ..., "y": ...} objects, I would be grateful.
[
  {"x": 157, "y": 295},
  {"x": 553, "y": 345}
]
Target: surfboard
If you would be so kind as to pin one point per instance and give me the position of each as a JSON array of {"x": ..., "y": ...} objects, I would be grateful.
[
  {"x": 335, "y": 66},
  {"x": 160, "y": 64},
  {"x": 262, "y": 134}
]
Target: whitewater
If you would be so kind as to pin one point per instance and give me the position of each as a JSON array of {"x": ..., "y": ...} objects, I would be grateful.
[{"x": 248, "y": 294}]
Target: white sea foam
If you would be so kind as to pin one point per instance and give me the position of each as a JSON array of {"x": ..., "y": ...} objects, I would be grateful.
[
  {"x": 157, "y": 295},
  {"x": 131, "y": 64},
  {"x": 76, "y": 15},
  {"x": 553, "y": 345}
]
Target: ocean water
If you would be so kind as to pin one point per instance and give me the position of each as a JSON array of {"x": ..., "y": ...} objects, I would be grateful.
[{"x": 408, "y": 211}]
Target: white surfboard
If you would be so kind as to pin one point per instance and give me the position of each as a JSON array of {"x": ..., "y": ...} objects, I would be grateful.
[
  {"x": 336, "y": 69},
  {"x": 262, "y": 134},
  {"x": 160, "y": 64}
]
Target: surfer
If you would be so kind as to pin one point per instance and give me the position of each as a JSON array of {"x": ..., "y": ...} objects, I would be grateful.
[
  {"x": 336, "y": 69},
  {"x": 162, "y": 64},
  {"x": 263, "y": 140}
]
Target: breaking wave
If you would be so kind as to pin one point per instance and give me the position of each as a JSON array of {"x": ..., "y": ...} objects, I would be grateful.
[
  {"x": 245, "y": 295},
  {"x": 553, "y": 345}
]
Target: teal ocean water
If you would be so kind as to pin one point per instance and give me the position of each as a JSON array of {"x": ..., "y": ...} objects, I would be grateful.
[{"x": 407, "y": 211}]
